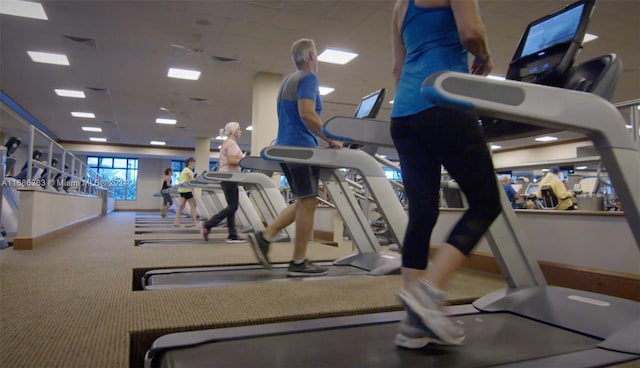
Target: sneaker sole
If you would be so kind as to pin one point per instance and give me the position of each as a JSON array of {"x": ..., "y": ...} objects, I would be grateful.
[
  {"x": 258, "y": 252},
  {"x": 306, "y": 274},
  {"x": 410, "y": 303},
  {"x": 236, "y": 241},
  {"x": 407, "y": 342}
]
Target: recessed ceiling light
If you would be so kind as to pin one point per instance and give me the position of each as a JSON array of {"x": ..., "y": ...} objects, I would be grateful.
[
  {"x": 581, "y": 168},
  {"x": 166, "y": 121},
  {"x": 589, "y": 37},
  {"x": 250, "y": 127},
  {"x": 221, "y": 138},
  {"x": 496, "y": 77},
  {"x": 546, "y": 139},
  {"x": 326, "y": 90},
  {"x": 183, "y": 74},
  {"x": 77, "y": 114},
  {"x": 495, "y": 146},
  {"x": 26, "y": 9},
  {"x": 158, "y": 143},
  {"x": 628, "y": 126},
  {"x": 334, "y": 56},
  {"x": 48, "y": 58},
  {"x": 91, "y": 129},
  {"x": 94, "y": 139},
  {"x": 391, "y": 102},
  {"x": 70, "y": 93}
]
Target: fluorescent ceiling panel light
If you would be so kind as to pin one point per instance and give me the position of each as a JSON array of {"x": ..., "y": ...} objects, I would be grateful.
[
  {"x": 496, "y": 77},
  {"x": 249, "y": 128},
  {"x": 158, "y": 143},
  {"x": 391, "y": 102},
  {"x": 589, "y": 37},
  {"x": 94, "y": 139},
  {"x": 334, "y": 56},
  {"x": 221, "y": 138},
  {"x": 628, "y": 126},
  {"x": 183, "y": 74},
  {"x": 25, "y": 9},
  {"x": 165, "y": 121},
  {"x": 546, "y": 139},
  {"x": 545, "y": 170},
  {"x": 325, "y": 90},
  {"x": 70, "y": 93},
  {"x": 495, "y": 146},
  {"x": 581, "y": 168},
  {"x": 48, "y": 58},
  {"x": 91, "y": 129},
  {"x": 88, "y": 115}
]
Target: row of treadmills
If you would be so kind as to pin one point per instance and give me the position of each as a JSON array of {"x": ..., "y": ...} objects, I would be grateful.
[{"x": 528, "y": 324}]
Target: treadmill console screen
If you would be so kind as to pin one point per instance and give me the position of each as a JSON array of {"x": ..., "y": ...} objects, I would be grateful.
[
  {"x": 370, "y": 105},
  {"x": 532, "y": 189},
  {"x": 558, "y": 28},
  {"x": 549, "y": 45}
]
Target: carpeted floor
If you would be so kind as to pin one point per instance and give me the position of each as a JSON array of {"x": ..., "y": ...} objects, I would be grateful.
[{"x": 69, "y": 303}]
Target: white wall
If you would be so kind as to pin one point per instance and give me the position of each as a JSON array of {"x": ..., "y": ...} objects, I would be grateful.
[
  {"x": 601, "y": 242},
  {"x": 537, "y": 154},
  {"x": 42, "y": 212}
]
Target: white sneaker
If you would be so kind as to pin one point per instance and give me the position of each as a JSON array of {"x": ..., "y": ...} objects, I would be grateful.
[
  {"x": 425, "y": 301},
  {"x": 413, "y": 334}
]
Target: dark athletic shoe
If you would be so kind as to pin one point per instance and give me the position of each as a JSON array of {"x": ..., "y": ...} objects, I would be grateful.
[
  {"x": 205, "y": 232},
  {"x": 236, "y": 239},
  {"x": 305, "y": 269},
  {"x": 261, "y": 248}
]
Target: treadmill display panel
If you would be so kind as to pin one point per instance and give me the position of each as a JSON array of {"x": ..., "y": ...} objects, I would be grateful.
[{"x": 370, "y": 105}]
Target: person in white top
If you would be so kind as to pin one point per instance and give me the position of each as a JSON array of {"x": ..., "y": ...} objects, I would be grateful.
[{"x": 230, "y": 156}]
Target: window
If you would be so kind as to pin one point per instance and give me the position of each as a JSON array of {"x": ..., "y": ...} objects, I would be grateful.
[{"x": 121, "y": 174}]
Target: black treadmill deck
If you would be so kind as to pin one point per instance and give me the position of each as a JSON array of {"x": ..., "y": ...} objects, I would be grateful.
[
  {"x": 492, "y": 340},
  {"x": 224, "y": 275}
]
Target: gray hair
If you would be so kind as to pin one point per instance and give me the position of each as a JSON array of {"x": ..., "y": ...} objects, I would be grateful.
[
  {"x": 301, "y": 49},
  {"x": 230, "y": 128}
]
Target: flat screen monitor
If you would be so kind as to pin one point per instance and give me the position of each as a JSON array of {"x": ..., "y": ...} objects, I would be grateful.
[
  {"x": 370, "y": 105},
  {"x": 532, "y": 189},
  {"x": 549, "y": 45},
  {"x": 555, "y": 29}
]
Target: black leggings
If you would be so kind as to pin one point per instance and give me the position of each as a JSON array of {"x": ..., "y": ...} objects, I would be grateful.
[
  {"x": 425, "y": 142},
  {"x": 231, "y": 195}
]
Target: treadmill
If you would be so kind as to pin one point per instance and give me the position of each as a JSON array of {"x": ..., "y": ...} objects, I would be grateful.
[
  {"x": 528, "y": 324},
  {"x": 369, "y": 259}
]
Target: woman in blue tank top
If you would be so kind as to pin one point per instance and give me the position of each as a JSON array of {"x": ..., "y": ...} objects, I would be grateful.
[{"x": 431, "y": 36}]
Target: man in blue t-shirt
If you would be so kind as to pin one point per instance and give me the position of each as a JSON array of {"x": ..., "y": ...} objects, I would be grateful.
[
  {"x": 299, "y": 124},
  {"x": 511, "y": 193}
]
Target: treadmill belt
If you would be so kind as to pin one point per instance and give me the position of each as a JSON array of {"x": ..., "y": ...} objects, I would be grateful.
[
  {"x": 215, "y": 276},
  {"x": 492, "y": 339}
]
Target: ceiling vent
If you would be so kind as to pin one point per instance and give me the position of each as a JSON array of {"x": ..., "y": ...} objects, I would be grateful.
[
  {"x": 199, "y": 100},
  {"x": 223, "y": 59},
  {"x": 266, "y": 4},
  {"x": 103, "y": 91},
  {"x": 82, "y": 40}
]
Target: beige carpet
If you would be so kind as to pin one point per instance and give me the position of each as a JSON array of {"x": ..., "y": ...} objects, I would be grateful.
[{"x": 70, "y": 303}]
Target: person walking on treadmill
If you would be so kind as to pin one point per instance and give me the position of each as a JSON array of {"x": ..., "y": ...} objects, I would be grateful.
[
  {"x": 299, "y": 124},
  {"x": 167, "y": 201},
  {"x": 230, "y": 156},
  {"x": 430, "y": 36},
  {"x": 186, "y": 195}
]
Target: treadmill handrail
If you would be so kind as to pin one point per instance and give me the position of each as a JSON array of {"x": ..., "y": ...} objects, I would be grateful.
[
  {"x": 533, "y": 104},
  {"x": 556, "y": 108},
  {"x": 325, "y": 157}
]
